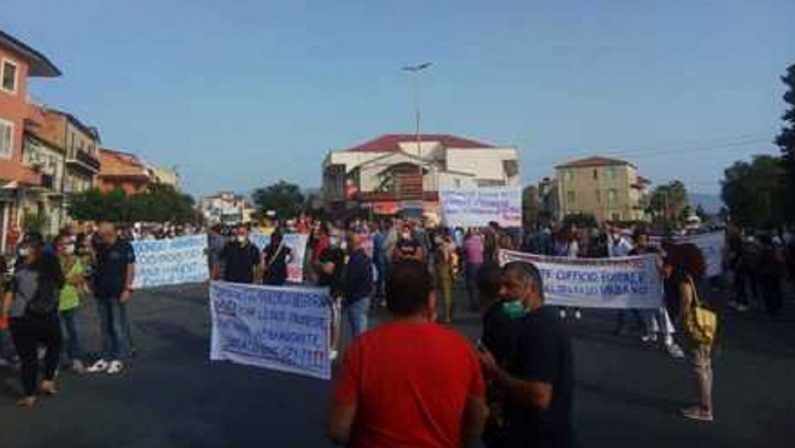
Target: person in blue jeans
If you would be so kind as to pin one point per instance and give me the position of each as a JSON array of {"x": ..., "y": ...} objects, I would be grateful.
[
  {"x": 357, "y": 285},
  {"x": 113, "y": 278}
]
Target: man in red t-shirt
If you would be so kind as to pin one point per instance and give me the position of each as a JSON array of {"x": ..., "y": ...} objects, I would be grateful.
[{"x": 409, "y": 382}]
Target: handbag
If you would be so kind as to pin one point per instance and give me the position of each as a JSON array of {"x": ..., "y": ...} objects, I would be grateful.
[{"x": 701, "y": 323}]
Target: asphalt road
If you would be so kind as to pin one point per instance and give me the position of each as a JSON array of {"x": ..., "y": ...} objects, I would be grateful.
[{"x": 173, "y": 396}]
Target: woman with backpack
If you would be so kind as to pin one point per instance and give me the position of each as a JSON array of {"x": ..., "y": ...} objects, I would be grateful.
[
  {"x": 683, "y": 267},
  {"x": 30, "y": 310}
]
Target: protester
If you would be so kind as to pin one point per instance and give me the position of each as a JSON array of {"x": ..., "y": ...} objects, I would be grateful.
[
  {"x": 473, "y": 260},
  {"x": 407, "y": 247},
  {"x": 357, "y": 285},
  {"x": 683, "y": 267},
  {"x": 329, "y": 266},
  {"x": 30, "y": 310},
  {"x": 658, "y": 321},
  {"x": 380, "y": 258},
  {"x": 619, "y": 246},
  {"x": 276, "y": 257},
  {"x": 445, "y": 267},
  {"x": 69, "y": 302},
  {"x": 215, "y": 244},
  {"x": 501, "y": 324},
  {"x": 568, "y": 246},
  {"x": 409, "y": 382},
  {"x": 769, "y": 273},
  {"x": 114, "y": 270},
  {"x": 539, "y": 379},
  {"x": 241, "y": 259}
]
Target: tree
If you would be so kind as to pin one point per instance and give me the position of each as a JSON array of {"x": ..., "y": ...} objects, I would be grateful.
[
  {"x": 786, "y": 141},
  {"x": 754, "y": 192},
  {"x": 581, "y": 220},
  {"x": 161, "y": 203},
  {"x": 668, "y": 202},
  {"x": 531, "y": 207},
  {"x": 283, "y": 197}
]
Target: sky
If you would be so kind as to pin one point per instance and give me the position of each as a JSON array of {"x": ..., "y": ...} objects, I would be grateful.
[{"x": 239, "y": 94}]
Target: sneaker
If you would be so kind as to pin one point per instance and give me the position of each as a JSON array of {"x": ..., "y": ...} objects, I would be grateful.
[
  {"x": 48, "y": 388},
  {"x": 577, "y": 314},
  {"x": 333, "y": 355},
  {"x": 562, "y": 314},
  {"x": 99, "y": 366},
  {"x": 675, "y": 350},
  {"x": 115, "y": 367},
  {"x": 697, "y": 413},
  {"x": 649, "y": 337},
  {"x": 77, "y": 367}
]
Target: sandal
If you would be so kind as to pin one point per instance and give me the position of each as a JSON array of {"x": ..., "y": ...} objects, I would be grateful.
[{"x": 697, "y": 413}]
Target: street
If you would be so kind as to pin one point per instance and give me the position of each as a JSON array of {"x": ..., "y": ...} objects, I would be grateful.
[{"x": 627, "y": 394}]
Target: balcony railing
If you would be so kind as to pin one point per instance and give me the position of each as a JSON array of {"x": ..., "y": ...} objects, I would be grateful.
[{"x": 86, "y": 159}]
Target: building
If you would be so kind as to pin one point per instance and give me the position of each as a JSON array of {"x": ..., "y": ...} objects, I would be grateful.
[
  {"x": 396, "y": 174},
  {"x": 165, "y": 176},
  {"x": 226, "y": 207},
  {"x": 19, "y": 179},
  {"x": 608, "y": 189},
  {"x": 122, "y": 171}
]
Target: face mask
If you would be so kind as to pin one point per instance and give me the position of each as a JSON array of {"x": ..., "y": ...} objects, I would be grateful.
[
  {"x": 334, "y": 241},
  {"x": 344, "y": 245},
  {"x": 24, "y": 252},
  {"x": 69, "y": 249},
  {"x": 405, "y": 235},
  {"x": 242, "y": 239}
]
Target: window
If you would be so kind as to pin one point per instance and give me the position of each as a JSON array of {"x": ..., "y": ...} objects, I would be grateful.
[
  {"x": 611, "y": 172},
  {"x": 6, "y": 139},
  {"x": 457, "y": 183},
  {"x": 570, "y": 197},
  {"x": 569, "y": 175},
  {"x": 595, "y": 174},
  {"x": 9, "y": 81},
  {"x": 615, "y": 216},
  {"x": 612, "y": 194}
]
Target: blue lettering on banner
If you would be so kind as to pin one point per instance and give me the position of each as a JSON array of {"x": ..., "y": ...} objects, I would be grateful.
[
  {"x": 629, "y": 282},
  {"x": 279, "y": 328},
  {"x": 171, "y": 261}
]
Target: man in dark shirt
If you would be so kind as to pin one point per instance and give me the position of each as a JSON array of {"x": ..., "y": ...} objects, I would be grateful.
[
  {"x": 242, "y": 260},
  {"x": 357, "y": 285},
  {"x": 330, "y": 264},
  {"x": 538, "y": 383},
  {"x": 114, "y": 270}
]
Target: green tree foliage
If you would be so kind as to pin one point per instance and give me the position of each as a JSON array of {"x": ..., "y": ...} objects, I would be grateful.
[
  {"x": 581, "y": 220},
  {"x": 282, "y": 197},
  {"x": 668, "y": 202},
  {"x": 786, "y": 141},
  {"x": 531, "y": 206},
  {"x": 754, "y": 193},
  {"x": 160, "y": 204}
]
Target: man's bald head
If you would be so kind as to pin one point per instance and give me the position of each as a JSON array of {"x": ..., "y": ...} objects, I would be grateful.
[{"x": 107, "y": 232}]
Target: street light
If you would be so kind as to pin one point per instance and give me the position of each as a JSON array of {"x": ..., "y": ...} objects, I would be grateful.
[{"x": 416, "y": 70}]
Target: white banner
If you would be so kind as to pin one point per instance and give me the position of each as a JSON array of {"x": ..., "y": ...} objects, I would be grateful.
[
  {"x": 626, "y": 282},
  {"x": 170, "y": 262},
  {"x": 477, "y": 207},
  {"x": 297, "y": 244},
  {"x": 278, "y": 328},
  {"x": 712, "y": 247}
]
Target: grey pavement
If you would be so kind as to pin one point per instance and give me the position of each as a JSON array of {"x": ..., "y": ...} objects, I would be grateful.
[{"x": 172, "y": 396}]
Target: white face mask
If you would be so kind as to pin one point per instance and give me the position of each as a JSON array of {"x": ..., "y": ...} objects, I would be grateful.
[
  {"x": 406, "y": 235},
  {"x": 24, "y": 252},
  {"x": 69, "y": 249},
  {"x": 344, "y": 245},
  {"x": 242, "y": 239}
]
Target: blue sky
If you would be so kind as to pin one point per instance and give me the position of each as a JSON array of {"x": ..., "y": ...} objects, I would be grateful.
[{"x": 242, "y": 93}]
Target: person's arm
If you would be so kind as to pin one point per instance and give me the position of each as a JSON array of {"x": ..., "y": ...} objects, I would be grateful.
[
  {"x": 474, "y": 419},
  {"x": 129, "y": 276},
  {"x": 686, "y": 297},
  {"x": 259, "y": 265},
  {"x": 5, "y": 307},
  {"x": 345, "y": 399},
  {"x": 419, "y": 254}
]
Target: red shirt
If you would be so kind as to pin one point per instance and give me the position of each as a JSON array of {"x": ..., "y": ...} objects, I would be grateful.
[{"x": 410, "y": 383}]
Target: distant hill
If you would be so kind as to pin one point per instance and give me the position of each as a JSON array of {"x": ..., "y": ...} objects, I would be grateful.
[{"x": 711, "y": 203}]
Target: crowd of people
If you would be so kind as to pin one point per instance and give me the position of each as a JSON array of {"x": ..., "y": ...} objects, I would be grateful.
[
  {"x": 41, "y": 300},
  {"x": 410, "y": 381}
]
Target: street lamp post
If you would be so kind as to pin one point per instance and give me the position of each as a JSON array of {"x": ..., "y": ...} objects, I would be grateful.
[{"x": 416, "y": 70}]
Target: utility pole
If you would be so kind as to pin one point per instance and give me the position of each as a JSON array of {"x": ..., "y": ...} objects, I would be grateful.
[{"x": 415, "y": 70}]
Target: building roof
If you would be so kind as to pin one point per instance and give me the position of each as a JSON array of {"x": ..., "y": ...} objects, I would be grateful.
[
  {"x": 594, "y": 161},
  {"x": 39, "y": 65},
  {"x": 121, "y": 164},
  {"x": 391, "y": 142}
]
